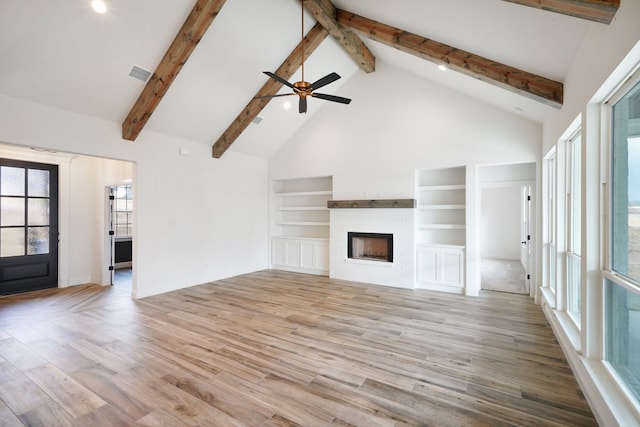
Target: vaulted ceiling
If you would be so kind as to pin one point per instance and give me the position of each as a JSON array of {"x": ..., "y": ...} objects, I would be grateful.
[{"x": 208, "y": 56}]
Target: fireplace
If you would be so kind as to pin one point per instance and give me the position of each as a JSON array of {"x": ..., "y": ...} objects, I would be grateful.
[{"x": 370, "y": 246}]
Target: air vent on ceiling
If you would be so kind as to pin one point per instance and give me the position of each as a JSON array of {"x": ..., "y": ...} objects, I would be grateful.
[
  {"x": 257, "y": 120},
  {"x": 139, "y": 73}
]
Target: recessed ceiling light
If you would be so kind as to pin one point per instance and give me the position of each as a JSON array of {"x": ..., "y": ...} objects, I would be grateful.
[
  {"x": 99, "y": 6},
  {"x": 286, "y": 105},
  {"x": 442, "y": 67}
]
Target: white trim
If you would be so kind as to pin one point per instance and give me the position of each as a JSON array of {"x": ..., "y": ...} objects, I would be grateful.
[{"x": 609, "y": 402}]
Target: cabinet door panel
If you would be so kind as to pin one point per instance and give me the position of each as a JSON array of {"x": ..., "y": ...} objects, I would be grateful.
[
  {"x": 322, "y": 257},
  {"x": 292, "y": 257},
  {"x": 427, "y": 265},
  {"x": 307, "y": 254},
  {"x": 451, "y": 268},
  {"x": 278, "y": 252}
]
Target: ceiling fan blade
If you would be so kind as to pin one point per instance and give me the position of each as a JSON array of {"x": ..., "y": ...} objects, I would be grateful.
[
  {"x": 280, "y": 79},
  {"x": 331, "y": 98},
  {"x": 274, "y": 96},
  {"x": 329, "y": 78},
  {"x": 302, "y": 105}
]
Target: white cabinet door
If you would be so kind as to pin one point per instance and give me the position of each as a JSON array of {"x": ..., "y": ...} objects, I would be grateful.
[
  {"x": 451, "y": 267},
  {"x": 278, "y": 252},
  {"x": 427, "y": 265},
  {"x": 305, "y": 255},
  {"x": 285, "y": 253},
  {"x": 438, "y": 265},
  {"x": 322, "y": 256}
]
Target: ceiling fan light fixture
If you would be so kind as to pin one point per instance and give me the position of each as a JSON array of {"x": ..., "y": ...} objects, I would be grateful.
[
  {"x": 303, "y": 88},
  {"x": 99, "y": 6}
]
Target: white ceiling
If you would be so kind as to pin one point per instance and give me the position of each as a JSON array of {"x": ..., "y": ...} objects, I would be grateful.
[{"x": 62, "y": 54}]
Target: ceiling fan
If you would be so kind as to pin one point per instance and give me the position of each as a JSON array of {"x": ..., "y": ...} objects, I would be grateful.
[{"x": 303, "y": 88}]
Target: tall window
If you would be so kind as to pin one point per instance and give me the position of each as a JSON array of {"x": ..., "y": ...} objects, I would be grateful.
[
  {"x": 622, "y": 316},
  {"x": 551, "y": 215},
  {"x": 123, "y": 210},
  {"x": 574, "y": 188}
]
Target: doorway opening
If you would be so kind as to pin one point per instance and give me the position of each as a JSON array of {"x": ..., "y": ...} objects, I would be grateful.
[
  {"x": 505, "y": 224},
  {"x": 120, "y": 235},
  {"x": 83, "y": 254}
]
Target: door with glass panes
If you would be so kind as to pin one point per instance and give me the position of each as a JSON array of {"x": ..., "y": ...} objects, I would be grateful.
[{"x": 28, "y": 226}]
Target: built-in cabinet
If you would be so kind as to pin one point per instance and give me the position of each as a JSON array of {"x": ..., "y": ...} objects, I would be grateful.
[
  {"x": 300, "y": 224},
  {"x": 440, "y": 228}
]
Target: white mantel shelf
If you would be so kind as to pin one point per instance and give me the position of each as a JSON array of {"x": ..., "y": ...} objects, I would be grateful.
[{"x": 372, "y": 204}]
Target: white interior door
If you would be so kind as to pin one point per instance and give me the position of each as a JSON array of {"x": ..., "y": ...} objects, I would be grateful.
[{"x": 525, "y": 241}]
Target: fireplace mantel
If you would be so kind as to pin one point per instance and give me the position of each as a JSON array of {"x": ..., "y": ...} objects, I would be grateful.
[{"x": 372, "y": 204}]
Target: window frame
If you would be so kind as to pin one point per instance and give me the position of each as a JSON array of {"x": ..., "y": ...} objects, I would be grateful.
[{"x": 608, "y": 273}]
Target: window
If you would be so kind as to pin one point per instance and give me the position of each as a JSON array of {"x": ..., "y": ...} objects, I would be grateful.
[
  {"x": 122, "y": 210},
  {"x": 551, "y": 217},
  {"x": 623, "y": 334},
  {"x": 625, "y": 185},
  {"x": 622, "y": 295},
  {"x": 574, "y": 222}
]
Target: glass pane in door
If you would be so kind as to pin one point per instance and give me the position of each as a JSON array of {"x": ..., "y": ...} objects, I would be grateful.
[
  {"x": 11, "y": 242},
  {"x": 38, "y": 183},
  {"x": 11, "y": 181},
  {"x": 38, "y": 211},
  {"x": 38, "y": 240},
  {"x": 12, "y": 211}
]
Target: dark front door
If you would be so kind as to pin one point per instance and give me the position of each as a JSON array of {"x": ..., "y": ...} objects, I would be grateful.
[{"x": 28, "y": 226}]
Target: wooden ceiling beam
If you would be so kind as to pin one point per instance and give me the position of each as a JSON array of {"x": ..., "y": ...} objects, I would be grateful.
[
  {"x": 601, "y": 11},
  {"x": 524, "y": 83},
  {"x": 325, "y": 13},
  {"x": 194, "y": 27},
  {"x": 311, "y": 41}
]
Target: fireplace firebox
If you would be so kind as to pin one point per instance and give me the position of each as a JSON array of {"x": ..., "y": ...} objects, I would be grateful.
[{"x": 370, "y": 246}]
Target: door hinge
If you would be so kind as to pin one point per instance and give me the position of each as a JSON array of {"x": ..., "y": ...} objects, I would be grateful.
[
  {"x": 528, "y": 237},
  {"x": 111, "y": 268},
  {"x": 112, "y": 197},
  {"x": 111, "y": 232},
  {"x": 529, "y": 198},
  {"x": 528, "y": 277}
]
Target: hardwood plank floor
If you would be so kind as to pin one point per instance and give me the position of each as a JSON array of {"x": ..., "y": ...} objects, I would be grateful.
[{"x": 282, "y": 349}]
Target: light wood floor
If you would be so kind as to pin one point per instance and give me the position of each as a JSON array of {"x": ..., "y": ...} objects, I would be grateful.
[{"x": 282, "y": 349}]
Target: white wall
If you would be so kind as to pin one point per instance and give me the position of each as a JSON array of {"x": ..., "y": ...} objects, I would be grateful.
[
  {"x": 607, "y": 55},
  {"x": 397, "y": 123},
  {"x": 500, "y": 223},
  {"x": 88, "y": 177},
  {"x": 603, "y": 49},
  {"x": 197, "y": 218}
]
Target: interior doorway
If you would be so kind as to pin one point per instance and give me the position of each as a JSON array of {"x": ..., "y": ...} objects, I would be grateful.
[
  {"x": 505, "y": 224},
  {"x": 119, "y": 206},
  {"x": 82, "y": 252}
]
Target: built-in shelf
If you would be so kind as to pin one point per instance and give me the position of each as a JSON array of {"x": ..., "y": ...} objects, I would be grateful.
[
  {"x": 300, "y": 224},
  {"x": 435, "y": 207},
  {"x": 372, "y": 204},
  {"x": 441, "y": 187},
  {"x": 442, "y": 226},
  {"x": 303, "y": 208},
  {"x": 440, "y": 229},
  {"x": 303, "y": 223},
  {"x": 304, "y": 193}
]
